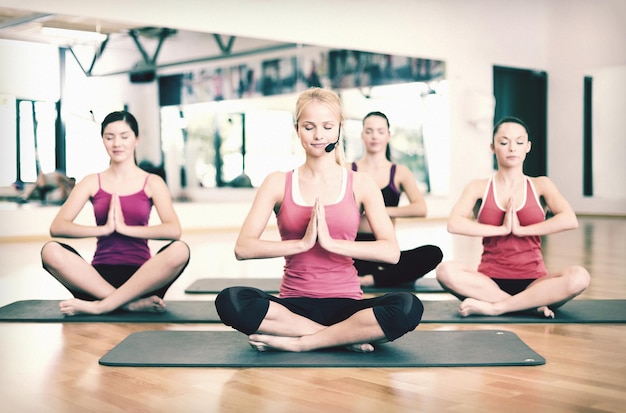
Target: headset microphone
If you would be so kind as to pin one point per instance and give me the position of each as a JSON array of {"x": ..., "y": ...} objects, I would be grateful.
[{"x": 331, "y": 146}]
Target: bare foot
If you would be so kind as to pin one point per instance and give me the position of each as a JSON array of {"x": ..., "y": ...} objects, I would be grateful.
[
  {"x": 77, "y": 306},
  {"x": 361, "y": 348},
  {"x": 545, "y": 311},
  {"x": 149, "y": 304},
  {"x": 265, "y": 342},
  {"x": 471, "y": 306},
  {"x": 367, "y": 280}
]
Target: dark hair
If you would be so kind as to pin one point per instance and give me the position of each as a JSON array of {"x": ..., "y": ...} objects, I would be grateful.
[
  {"x": 376, "y": 113},
  {"x": 381, "y": 115},
  {"x": 123, "y": 116},
  {"x": 509, "y": 119}
]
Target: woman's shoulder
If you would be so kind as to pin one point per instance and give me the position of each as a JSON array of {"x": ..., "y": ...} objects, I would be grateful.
[
  {"x": 91, "y": 177},
  {"x": 90, "y": 181},
  {"x": 153, "y": 179},
  {"x": 363, "y": 180},
  {"x": 542, "y": 183},
  {"x": 403, "y": 171},
  {"x": 274, "y": 181},
  {"x": 276, "y": 176},
  {"x": 479, "y": 185},
  {"x": 155, "y": 187},
  {"x": 86, "y": 187}
]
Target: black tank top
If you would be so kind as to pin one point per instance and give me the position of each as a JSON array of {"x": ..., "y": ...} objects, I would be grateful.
[{"x": 391, "y": 194}]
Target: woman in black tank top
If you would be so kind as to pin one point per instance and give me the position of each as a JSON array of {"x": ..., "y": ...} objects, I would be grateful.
[{"x": 393, "y": 179}]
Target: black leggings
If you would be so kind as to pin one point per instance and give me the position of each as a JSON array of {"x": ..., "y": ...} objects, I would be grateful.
[
  {"x": 118, "y": 274},
  {"x": 413, "y": 264},
  {"x": 244, "y": 308}
]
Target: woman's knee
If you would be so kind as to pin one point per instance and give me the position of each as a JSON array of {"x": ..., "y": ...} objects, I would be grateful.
[
  {"x": 444, "y": 272},
  {"x": 52, "y": 253},
  {"x": 242, "y": 308},
  {"x": 435, "y": 253},
  {"x": 413, "y": 310},
  {"x": 177, "y": 253},
  {"x": 579, "y": 279},
  {"x": 398, "y": 314}
]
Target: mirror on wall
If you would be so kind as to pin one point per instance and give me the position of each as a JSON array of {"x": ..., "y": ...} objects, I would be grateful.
[
  {"x": 219, "y": 111},
  {"x": 229, "y": 125},
  {"x": 607, "y": 144}
]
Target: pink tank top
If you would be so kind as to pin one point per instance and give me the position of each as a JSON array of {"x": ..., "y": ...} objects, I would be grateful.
[
  {"x": 510, "y": 256},
  {"x": 318, "y": 273},
  {"x": 119, "y": 249}
]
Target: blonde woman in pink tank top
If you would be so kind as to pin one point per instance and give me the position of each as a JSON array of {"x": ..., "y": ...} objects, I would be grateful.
[{"x": 318, "y": 209}]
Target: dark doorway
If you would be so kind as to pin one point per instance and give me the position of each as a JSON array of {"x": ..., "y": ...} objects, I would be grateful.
[{"x": 523, "y": 93}]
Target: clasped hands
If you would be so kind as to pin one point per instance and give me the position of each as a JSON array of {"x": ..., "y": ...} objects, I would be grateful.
[
  {"x": 317, "y": 229},
  {"x": 115, "y": 219},
  {"x": 511, "y": 224}
]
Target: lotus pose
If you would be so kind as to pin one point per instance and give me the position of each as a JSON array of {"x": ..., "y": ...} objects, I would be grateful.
[
  {"x": 511, "y": 219},
  {"x": 122, "y": 274},
  {"x": 318, "y": 208},
  {"x": 393, "y": 179}
]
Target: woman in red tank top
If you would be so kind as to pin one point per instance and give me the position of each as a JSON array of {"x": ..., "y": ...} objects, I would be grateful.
[
  {"x": 511, "y": 276},
  {"x": 123, "y": 274}
]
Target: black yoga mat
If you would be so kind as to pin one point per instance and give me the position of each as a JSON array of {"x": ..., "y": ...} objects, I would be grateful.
[
  {"x": 231, "y": 349},
  {"x": 443, "y": 311},
  {"x": 271, "y": 285},
  {"x": 48, "y": 311},
  {"x": 575, "y": 311}
]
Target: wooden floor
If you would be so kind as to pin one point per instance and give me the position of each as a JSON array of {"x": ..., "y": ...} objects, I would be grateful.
[{"x": 54, "y": 367}]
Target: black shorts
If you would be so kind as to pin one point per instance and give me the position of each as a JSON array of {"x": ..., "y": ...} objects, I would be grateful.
[
  {"x": 116, "y": 275},
  {"x": 513, "y": 286},
  {"x": 244, "y": 308}
]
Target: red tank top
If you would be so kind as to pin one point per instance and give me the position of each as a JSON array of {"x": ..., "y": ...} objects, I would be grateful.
[
  {"x": 318, "y": 273},
  {"x": 510, "y": 256},
  {"x": 116, "y": 248}
]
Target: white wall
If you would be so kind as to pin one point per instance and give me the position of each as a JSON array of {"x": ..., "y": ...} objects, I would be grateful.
[
  {"x": 609, "y": 101},
  {"x": 29, "y": 70},
  {"x": 565, "y": 38}
]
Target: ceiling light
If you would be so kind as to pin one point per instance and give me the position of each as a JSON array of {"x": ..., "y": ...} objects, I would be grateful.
[{"x": 73, "y": 36}]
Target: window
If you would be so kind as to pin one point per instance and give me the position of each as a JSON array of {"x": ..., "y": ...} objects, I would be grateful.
[{"x": 34, "y": 126}]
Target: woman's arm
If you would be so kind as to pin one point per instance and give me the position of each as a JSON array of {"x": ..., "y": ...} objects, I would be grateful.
[
  {"x": 63, "y": 224},
  {"x": 408, "y": 185},
  {"x": 563, "y": 218},
  {"x": 461, "y": 220},
  {"x": 168, "y": 229},
  {"x": 249, "y": 244},
  {"x": 385, "y": 248}
]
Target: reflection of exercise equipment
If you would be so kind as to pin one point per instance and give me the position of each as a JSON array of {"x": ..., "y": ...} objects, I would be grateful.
[
  {"x": 35, "y": 140},
  {"x": 242, "y": 180},
  {"x": 19, "y": 183}
]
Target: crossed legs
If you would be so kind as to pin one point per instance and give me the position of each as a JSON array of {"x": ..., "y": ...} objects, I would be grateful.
[
  {"x": 76, "y": 274},
  {"x": 482, "y": 296},
  {"x": 283, "y": 330},
  {"x": 305, "y": 324}
]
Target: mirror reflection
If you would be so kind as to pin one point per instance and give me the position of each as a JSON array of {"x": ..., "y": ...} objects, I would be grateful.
[{"x": 230, "y": 125}]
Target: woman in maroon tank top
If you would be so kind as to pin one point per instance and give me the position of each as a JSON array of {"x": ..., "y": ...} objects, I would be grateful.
[
  {"x": 511, "y": 276},
  {"x": 123, "y": 273}
]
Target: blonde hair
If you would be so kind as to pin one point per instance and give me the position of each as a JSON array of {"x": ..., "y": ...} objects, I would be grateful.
[{"x": 332, "y": 101}]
